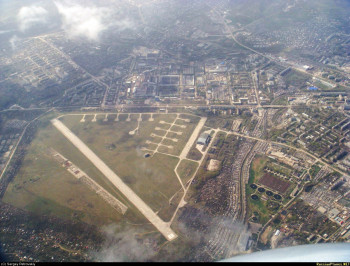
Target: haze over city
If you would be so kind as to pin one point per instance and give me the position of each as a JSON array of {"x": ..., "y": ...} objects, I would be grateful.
[{"x": 172, "y": 130}]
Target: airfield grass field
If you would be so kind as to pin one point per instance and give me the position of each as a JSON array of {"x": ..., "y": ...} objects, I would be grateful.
[
  {"x": 186, "y": 170},
  {"x": 152, "y": 178},
  {"x": 43, "y": 186}
]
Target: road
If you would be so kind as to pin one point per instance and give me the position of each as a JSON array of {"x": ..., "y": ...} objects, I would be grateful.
[
  {"x": 288, "y": 146},
  {"x": 163, "y": 228},
  {"x": 255, "y": 80},
  {"x": 188, "y": 146},
  {"x": 20, "y": 138},
  {"x": 212, "y": 106},
  {"x": 265, "y": 56},
  {"x": 182, "y": 201},
  {"x": 70, "y": 61},
  {"x": 245, "y": 166}
]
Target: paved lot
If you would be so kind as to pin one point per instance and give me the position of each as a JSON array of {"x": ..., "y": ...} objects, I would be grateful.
[
  {"x": 162, "y": 227},
  {"x": 193, "y": 138}
]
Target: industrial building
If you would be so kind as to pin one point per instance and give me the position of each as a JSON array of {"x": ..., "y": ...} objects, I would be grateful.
[{"x": 203, "y": 139}]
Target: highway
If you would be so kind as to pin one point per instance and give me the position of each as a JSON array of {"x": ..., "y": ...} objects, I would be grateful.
[{"x": 163, "y": 228}]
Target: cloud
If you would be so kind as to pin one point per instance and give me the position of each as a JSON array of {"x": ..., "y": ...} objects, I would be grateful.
[
  {"x": 220, "y": 235},
  {"x": 13, "y": 41},
  {"x": 122, "y": 245},
  {"x": 123, "y": 24},
  {"x": 29, "y": 16},
  {"x": 4, "y": 31},
  {"x": 90, "y": 21},
  {"x": 83, "y": 21}
]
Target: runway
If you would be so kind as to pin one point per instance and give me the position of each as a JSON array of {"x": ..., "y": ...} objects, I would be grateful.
[{"x": 163, "y": 228}]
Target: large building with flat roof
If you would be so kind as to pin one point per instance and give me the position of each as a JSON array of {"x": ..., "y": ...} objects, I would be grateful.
[{"x": 203, "y": 139}]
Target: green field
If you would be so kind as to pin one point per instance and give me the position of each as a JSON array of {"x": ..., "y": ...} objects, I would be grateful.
[
  {"x": 152, "y": 178},
  {"x": 45, "y": 187},
  {"x": 259, "y": 208},
  {"x": 186, "y": 170},
  {"x": 296, "y": 78},
  {"x": 257, "y": 168}
]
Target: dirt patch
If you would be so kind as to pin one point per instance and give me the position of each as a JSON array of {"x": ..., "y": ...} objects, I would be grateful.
[
  {"x": 265, "y": 236},
  {"x": 213, "y": 165},
  {"x": 274, "y": 183}
]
